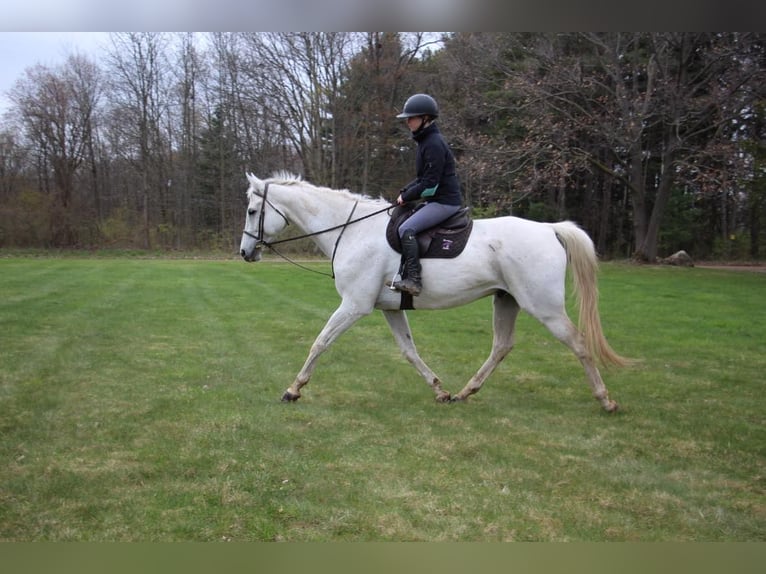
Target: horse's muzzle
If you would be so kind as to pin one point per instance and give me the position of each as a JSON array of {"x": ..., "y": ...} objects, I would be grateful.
[{"x": 255, "y": 255}]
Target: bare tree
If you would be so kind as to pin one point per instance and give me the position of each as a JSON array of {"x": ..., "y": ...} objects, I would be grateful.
[
  {"x": 188, "y": 72},
  {"x": 12, "y": 163},
  {"x": 299, "y": 75},
  {"x": 57, "y": 108},
  {"x": 139, "y": 98}
]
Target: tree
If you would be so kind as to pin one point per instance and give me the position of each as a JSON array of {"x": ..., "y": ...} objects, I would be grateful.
[
  {"x": 756, "y": 204},
  {"x": 649, "y": 100},
  {"x": 374, "y": 150},
  {"x": 368, "y": 139},
  {"x": 649, "y": 140},
  {"x": 57, "y": 107},
  {"x": 12, "y": 163},
  {"x": 483, "y": 110},
  {"x": 189, "y": 69},
  {"x": 139, "y": 98},
  {"x": 299, "y": 75}
]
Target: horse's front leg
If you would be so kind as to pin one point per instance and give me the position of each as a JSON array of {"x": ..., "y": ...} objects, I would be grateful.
[
  {"x": 400, "y": 327},
  {"x": 338, "y": 323}
]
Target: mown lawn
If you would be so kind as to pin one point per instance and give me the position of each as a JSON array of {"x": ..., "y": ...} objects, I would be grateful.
[{"x": 139, "y": 401}]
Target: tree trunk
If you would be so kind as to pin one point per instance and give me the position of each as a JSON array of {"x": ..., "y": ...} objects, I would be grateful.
[
  {"x": 647, "y": 250},
  {"x": 145, "y": 211},
  {"x": 638, "y": 197},
  {"x": 603, "y": 220},
  {"x": 754, "y": 218}
]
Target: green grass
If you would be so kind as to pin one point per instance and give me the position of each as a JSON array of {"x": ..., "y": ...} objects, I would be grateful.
[{"x": 139, "y": 400}]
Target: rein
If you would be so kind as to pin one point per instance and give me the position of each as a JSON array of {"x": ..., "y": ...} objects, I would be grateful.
[{"x": 260, "y": 241}]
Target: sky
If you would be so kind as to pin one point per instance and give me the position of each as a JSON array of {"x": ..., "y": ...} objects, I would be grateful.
[{"x": 22, "y": 50}]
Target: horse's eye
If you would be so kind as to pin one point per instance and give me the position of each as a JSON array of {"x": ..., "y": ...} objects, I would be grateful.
[{"x": 252, "y": 211}]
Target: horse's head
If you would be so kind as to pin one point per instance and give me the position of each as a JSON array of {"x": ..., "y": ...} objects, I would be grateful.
[{"x": 263, "y": 220}]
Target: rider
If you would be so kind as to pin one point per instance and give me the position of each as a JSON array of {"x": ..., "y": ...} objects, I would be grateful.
[{"x": 436, "y": 183}]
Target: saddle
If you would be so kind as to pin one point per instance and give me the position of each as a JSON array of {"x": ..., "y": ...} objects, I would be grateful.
[{"x": 445, "y": 241}]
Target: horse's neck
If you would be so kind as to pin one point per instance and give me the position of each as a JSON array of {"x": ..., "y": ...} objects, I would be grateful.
[{"x": 314, "y": 210}]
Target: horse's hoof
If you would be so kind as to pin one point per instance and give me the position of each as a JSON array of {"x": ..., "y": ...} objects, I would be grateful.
[
  {"x": 612, "y": 407},
  {"x": 457, "y": 399},
  {"x": 443, "y": 397},
  {"x": 288, "y": 397}
]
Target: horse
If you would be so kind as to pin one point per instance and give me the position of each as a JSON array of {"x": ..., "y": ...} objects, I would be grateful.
[{"x": 522, "y": 264}]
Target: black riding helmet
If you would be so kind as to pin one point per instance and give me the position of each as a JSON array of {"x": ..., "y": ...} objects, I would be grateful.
[{"x": 420, "y": 105}]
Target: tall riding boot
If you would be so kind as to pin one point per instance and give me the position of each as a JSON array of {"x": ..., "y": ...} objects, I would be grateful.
[{"x": 410, "y": 281}]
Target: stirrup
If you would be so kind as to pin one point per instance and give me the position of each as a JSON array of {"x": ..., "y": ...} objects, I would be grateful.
[{"x": 413, "y": 289}]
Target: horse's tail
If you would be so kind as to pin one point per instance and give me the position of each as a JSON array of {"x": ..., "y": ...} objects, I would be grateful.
[{"x": 581, "y": 256}]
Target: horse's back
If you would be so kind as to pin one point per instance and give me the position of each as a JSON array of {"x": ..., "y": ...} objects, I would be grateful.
[{"x": 520, "y": 239}]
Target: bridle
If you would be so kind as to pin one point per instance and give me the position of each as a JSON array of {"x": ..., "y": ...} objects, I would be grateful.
[
  {"x": 261, "y": 242},
  {"x": 259, "y": 239}
]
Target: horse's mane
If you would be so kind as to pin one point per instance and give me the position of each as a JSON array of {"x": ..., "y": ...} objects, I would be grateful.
[
  {"x": 287, "y": 178},
  {"x": 283, "y": 177}
]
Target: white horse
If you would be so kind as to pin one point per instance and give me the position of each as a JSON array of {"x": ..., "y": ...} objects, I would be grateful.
[{"x": 521, "y": 263}]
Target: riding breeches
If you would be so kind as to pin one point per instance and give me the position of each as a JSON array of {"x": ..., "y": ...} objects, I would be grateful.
[{"x": 430, "y": 215}]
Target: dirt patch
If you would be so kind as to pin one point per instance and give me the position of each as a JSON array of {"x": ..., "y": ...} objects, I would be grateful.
[{"x": 753, "y": 267}]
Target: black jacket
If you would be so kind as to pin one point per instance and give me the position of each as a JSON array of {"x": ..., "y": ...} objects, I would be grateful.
[{"x": 436, "y": 178}]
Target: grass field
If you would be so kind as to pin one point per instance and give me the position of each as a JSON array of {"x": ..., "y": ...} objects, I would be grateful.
[{"x": 139, "y": 401}]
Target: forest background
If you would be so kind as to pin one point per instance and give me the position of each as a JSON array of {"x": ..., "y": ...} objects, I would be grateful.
[{"x": 653, "y": 142}]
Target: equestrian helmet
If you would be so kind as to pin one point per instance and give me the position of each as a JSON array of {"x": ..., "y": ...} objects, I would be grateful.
[{"x": 420, "y": 105}]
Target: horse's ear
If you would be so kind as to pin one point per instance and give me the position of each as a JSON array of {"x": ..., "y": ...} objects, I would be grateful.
[{"x": 256, "y": 184}]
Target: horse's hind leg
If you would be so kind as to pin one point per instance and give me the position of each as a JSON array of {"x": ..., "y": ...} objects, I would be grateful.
[
  {"x": 400, "y": 327},
  {"x": 506, "y": 309},
  {"x": 566, "y": 332}
]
